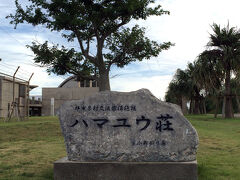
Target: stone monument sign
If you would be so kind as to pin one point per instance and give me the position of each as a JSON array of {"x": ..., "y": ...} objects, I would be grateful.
[{"x": 126, "y": 128}]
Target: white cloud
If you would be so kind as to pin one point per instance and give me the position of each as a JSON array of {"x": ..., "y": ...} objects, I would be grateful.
[
  {"x": 188, "y": 26},
  {"x": 156, "y": 84}
]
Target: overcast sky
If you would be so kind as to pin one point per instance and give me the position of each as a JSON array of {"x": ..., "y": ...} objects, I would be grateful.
[{"x": 188, "y": 26}]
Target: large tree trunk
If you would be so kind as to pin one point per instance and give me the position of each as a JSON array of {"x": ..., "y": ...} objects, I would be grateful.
[
  {"x": 196, "y": 109},
  {"x": 197, "y": 101},
  {"x": 216, "y": 108},
  {"x": 103, "y": 80},
  {"x": 201, "y": 105},
  {"x": 228, "y": 105},
  {"x": 238, "y": 103},
  {"x": 191, "y": 106},
  {"x": 223, "y": 107},
  {"x": 184, "y": 105},
  {"x": 204, "y": 106}
]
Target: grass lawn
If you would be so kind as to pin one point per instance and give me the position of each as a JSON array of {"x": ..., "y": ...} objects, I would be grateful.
[
  {"x": 28, "y": 149},
  {"x": 219, "y": 148}
]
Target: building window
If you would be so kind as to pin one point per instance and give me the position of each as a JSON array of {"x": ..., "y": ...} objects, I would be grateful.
[
  {"x": 82, "y": 83},
  {"x": 87, "y": 83},
  {"x": 22, "y": 90},
  {"x": 94, "y": 83}
]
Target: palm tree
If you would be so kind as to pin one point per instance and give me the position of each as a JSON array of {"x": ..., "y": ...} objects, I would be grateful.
[
  {"x": 235, "y": 84},
  {"x": 173, "y": 95},
  {"x": 209, "y": 71},
  {"x": 179, "y": 89},
  {"x": 185, "y": 87},
  {"x": 197, "y": 103},
  {"x": 226, "y": 42}
]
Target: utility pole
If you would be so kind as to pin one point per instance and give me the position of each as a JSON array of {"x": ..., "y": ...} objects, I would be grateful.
[
  {"x": 14, "y": 104},
  {"x": 28, "y": 95},
  {"x": 14, "y": 75}
]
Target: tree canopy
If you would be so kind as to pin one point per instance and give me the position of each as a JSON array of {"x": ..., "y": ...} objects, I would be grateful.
[
  {"x": 225, "y": 43},
  {"x": 99, "y": 23},
  {"x": 216, "y": 71}
]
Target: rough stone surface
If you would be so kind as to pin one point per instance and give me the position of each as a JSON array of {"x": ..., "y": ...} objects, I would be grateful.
[
  {"x": 134, "y": 126},
  {"x": 76, "y": 170},
  {"x": 177, "y": 107}
]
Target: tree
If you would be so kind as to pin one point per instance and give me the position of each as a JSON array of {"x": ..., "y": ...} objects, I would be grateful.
[
  {"x": 187, "y": 86},
  {"x": 235, "y": 84},
  {"x": 178, "y": 90},
  {"x": 100, "y": 23},
  {"x": 210, "y": 73},
  {"x": 198, "y": 93},
  {"x": 173, "y": 95},
  {"x": 226, "y": 43}
]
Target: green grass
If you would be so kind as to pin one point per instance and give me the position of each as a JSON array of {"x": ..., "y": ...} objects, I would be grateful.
[
  {"x": 219, "y": 148},
  {"x": 28, "y": 149}
]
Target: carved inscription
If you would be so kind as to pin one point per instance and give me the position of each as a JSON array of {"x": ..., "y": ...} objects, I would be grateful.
[
  {"x": 99, "y": 107},
  {"x": 149, "y": 143},
  {"x": 161, "y": 123}
]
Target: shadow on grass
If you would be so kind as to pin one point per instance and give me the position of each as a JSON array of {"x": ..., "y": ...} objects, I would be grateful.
[
  {"x": 203, "y": 172},
  {"x": 47, "y": 174},
  {"x": 206, "y": 173}
]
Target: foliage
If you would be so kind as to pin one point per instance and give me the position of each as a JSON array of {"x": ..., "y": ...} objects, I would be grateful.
[
  {"x": 99, "y": 23},
  {"x": 225, "y": 50},
  {"x": 211, "y": 74},
  {"x": 178, "y": 87},
  {"x": 209, "y": 70},
  {"x": 186, "y": 84}
]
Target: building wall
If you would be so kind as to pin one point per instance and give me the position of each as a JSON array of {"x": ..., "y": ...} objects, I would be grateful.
[
  {"x": 6, "y": 97},
  {"x": 1, "y": 96},
  {"x": 71, "y": 84},
  {"x": 61, "y": 95}
]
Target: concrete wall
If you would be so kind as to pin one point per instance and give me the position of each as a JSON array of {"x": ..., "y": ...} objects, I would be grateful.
[
  {"x": 61, "y": 95},
  {"x": 6, "y": 97},
  {"x": 1, "y": 96},
  {"x": 71, "y": 84}
]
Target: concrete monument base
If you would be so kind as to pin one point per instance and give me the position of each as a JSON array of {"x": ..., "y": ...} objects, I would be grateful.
[{"x": 76, "y": 170}]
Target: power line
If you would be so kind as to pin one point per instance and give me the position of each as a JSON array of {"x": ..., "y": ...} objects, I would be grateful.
[
  {"x": 12, "y": 37},
  {"x": 11, "y": 66},
  {"x": 25, "y": 72},
  {"x": 1, "y": 64},
  {"x": 12, "y": 77},
  {"x": 8, "y": 64},
  {"x": 9, "y": 69},
  {"x": 18, "y": 60},
  {"x": 7, "y": 72},
  {"x": 11, "y": 74}
]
